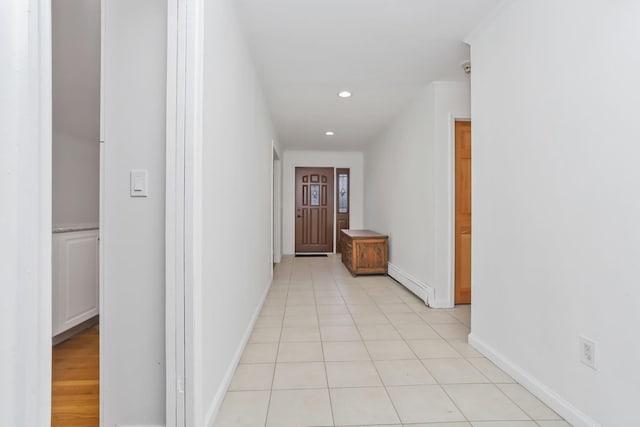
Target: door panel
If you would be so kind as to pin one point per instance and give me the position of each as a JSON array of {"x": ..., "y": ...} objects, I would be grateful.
[
  {"x": 463, "y": 213},
  {"x": 314, "y": 210}
]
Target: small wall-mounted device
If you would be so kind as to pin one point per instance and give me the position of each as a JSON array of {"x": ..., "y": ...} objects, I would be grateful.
[
  {"x": 466, "y": 66},
  {"x": 138, "y": 181}
]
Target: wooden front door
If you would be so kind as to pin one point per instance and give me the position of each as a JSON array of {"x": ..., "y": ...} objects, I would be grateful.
[
  {"x": 314, "y": 210},
  {"x": 463, "y": 213}
]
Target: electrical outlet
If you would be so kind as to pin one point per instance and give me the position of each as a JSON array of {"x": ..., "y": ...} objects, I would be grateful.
[{"x": 588, "y": 352}]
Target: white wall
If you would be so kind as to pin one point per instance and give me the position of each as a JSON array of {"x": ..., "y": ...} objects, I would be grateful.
[
  {"x": 25, "y": 213},
  {"x": 409, "y": 189},
  {"x": 337, "y": 159},
  {"x": 132, "y": 328},
  {"x": 237, "y": 162},
  {"x": 76, "y": 112},
  {"x": 555, "y": 199}
]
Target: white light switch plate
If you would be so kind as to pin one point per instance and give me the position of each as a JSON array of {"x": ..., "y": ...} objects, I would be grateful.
[{"x": 138, "y": 183}]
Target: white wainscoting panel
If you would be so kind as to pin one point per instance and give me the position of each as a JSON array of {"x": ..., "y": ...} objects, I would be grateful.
[{"x": 75, "y": 278}]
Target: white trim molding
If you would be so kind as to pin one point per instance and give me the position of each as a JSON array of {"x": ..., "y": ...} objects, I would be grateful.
[
  {"x": 25, "y": 212},
  {"x": 556, "y": 402},
  {"x": 183, "y": 210},
  {"x": 423, "y": 291}
]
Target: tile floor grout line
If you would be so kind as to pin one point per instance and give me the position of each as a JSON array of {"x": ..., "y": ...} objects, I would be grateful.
[
  {"x": 380, "y": 378},
  {"x": 324, "y": 359},
  {"x": 273, "y": 376},
  {"x": 520, "y": 407}
]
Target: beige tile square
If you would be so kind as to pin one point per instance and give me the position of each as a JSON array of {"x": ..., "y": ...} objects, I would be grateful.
[
  {"x": 308, "y": 334},
  {"x": 459, "y": 424},
  {"x": 364, "y": 309},
  {"x": 491, "y": 371},
  {"x": 462, "y": 347},
  {"x": 528, "y": 402},
  {"x": 272, "y": 310},
  {"x": 454, "y": 371},
  {"x": 259, "y": 353},
  {"x": 300, "y": 352},
  {"x": 252, "y": 377},
  {"x": 503, "y": 424},
  {"x": 301, "y": 301},
  {"x": 300, "y": 321},
  {"x": 265, "y": 335},
  {"x": 432, "y": 316},
  {"x": 402, "y": 318},
  {"x": 553, "y": 424},
  {"x": 395, "y": 308},
  {"x": 432, "y": 349},
  {"x": 332, "y": 309},
  {"x": 300, "y": 310},
  {"x": 370, "y": 319},
  {"x": 423, "y": 403},
  {"x": 325, "y": 300},
  {"x": 366, "y": 405},
  {"x": 462, "y": 317},
  {"x": 403, "y": 372},
  {"x": 268, "y": 322},
  {"x": 331, "y": 319},
  {"x": 339, "y": 333},
  {"x": 352, "y": 374},
  {"x": 326, "y": 291},
  {"x": 296, "y": 408},
  {"x": 357, "y": 299},
  {"x": 379, "y": 333},
  {"x": 299, "y": 375},
  {"x": 451, "y": 330},
  {"x": 484, "y": 402},
  {"x": 345, "y": 351},
  {"x": 386, "y": 299},
  {"x": 243, "y": 409},
  {"x": 417, "y": 331},
  {"x": 389, "y": 350}
]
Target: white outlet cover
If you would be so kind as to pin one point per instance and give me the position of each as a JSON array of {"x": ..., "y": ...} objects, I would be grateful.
[{"x": 588, "y": 352}]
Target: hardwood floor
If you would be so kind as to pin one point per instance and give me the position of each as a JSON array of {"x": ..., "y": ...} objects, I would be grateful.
[{"x": 75, "y": 386}]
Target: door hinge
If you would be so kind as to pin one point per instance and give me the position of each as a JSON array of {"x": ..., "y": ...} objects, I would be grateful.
[{"x": 180, "y": 385}]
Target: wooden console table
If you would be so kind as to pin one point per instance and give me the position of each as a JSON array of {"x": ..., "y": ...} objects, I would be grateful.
[{"x": 365, "y": 252}]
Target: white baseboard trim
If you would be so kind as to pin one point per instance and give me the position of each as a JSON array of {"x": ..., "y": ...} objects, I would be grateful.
[
  {"x": 565, "y": 409},
  {"x": 423, "y": 291},
  {"x": 214, "y": 406}
]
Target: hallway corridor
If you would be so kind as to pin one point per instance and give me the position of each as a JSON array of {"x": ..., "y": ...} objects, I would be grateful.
[{"x": 329, "y": 349}]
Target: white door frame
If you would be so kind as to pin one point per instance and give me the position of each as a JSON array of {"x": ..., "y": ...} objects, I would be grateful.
[
  {"x": 25, "y": 212},
  {"x": 183, "y": 210}
]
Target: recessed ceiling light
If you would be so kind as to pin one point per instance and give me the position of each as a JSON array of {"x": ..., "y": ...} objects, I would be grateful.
[
  {"x": 329, "y": 133},
  {"x": 344, "y": 94}
]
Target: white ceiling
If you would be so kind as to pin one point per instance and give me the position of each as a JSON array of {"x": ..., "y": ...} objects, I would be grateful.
[{"x": 383, "y": 51}]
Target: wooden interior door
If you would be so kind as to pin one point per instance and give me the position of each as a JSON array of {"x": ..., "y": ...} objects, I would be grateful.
[
  {"x": 463, "y": 213},
  {"x": 314, "y": 210},
  {"x": 342, "y": 203}
]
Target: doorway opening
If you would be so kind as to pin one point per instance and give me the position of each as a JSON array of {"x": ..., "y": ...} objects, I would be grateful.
[{"x": 76, "y": 51}]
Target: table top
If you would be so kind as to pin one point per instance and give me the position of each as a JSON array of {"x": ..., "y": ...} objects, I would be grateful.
[{"x": 354, "y": 234}]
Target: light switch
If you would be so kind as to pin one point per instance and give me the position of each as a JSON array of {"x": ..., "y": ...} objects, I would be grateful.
[{"x": 138, "y": 183}]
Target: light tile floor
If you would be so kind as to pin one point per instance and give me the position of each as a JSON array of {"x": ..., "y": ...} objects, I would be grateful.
[{"x": 332, "y": 350}]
